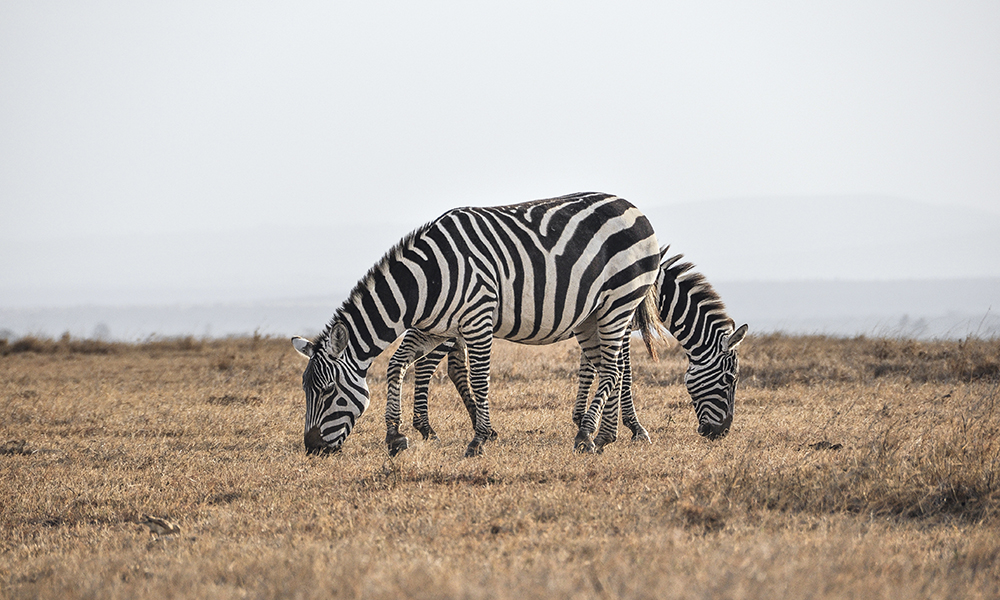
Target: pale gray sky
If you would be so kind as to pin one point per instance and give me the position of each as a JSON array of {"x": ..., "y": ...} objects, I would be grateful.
[{"x": 132, "y": 118}]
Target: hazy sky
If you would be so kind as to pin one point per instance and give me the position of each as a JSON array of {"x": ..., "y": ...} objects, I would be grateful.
[{"x": 135, "y": 117}]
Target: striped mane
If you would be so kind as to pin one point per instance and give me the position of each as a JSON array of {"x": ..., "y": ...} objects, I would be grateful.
[
  {"x": 694, "y": 286},
  {"x": 365, "y": 282}
]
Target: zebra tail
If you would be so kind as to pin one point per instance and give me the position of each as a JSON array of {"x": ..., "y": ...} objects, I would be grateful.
[{"x": 647, "y": 320}]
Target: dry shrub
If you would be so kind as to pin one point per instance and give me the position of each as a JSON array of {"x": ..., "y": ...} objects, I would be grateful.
[
  {"x": 65, "y": 344},
  {"x": 778, "y": 360}
]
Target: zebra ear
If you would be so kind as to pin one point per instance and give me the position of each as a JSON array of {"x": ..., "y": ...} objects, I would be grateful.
[
  {"x": 338, "y": 339},
  {"x": 303, "y": 346},
  {"x": 733, "y": 339}
]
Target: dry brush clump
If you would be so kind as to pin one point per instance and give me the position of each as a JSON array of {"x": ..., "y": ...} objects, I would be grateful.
[
  {"x": 779, "y": 360},
  {"x": 839, "y": 479}
]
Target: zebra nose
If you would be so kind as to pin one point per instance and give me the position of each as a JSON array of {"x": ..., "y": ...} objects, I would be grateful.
[
  {"x": 314, "y": 441},
  {"x": 713, "y": 431}
]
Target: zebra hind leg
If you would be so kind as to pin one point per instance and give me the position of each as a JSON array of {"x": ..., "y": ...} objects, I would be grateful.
[
  {"x": 608, "y": 433},
  {"x": 603, "y": 354},
  {"x": 629, "y": 417},
  {"x": 586, "y": 381},
  {"x": 458, "y": 372},
  {"x": 421, "y": 384}
]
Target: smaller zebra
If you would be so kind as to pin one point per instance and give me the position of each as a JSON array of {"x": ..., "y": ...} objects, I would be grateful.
[
  {"x": 691, "y": 310},
  {"x": 694, "y": 314}
]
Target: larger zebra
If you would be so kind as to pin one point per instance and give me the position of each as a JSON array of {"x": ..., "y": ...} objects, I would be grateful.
[
  {"x": 690, "y": 309},
  {"x": 535, "y": 273}
]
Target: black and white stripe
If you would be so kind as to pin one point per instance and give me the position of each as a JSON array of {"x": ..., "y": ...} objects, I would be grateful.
[{"x": 535, "y": 273}]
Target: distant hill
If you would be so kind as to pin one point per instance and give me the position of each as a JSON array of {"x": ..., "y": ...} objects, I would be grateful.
[
  {"x": 729, "y": 240},
  {"x": 844, "y": 266}
]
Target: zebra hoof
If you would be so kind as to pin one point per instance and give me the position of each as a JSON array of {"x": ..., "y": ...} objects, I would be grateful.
[
  {"x": 493, "y": 435},
  {"x": 475, "y": 449},
  {"x": 429, "y": 434},
  {"x": 397, "y": 444},
  {"x": 600, "y": 443},
  {"x": 583, "y": 444},
  {"x": 641, "y": 436}
]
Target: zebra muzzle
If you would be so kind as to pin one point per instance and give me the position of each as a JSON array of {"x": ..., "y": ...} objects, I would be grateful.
[
  {"x": 315, "y": 445},
  {"x": 715, "y": 431}
]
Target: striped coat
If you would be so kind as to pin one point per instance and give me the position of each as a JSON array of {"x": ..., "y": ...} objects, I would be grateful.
[{"x": 536, "y": 273}]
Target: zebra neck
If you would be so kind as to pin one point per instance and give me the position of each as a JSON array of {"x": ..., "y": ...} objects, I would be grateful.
[
  {"x": 370, "y": 331},
  {"x": 701, "y": 342},
  {"x": 696, "y": 320},
  {"x": 372, "y": 326}
]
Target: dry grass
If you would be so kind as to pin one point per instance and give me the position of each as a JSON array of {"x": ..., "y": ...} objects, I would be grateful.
[{"x": 856, "y": 468}]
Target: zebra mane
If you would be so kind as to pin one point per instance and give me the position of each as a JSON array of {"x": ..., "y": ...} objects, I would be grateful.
[
  {"x": 694, "y": 285},
  {"x": 392, "y": 254}
]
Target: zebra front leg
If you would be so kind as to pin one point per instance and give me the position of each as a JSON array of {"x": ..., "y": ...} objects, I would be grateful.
[
  {"x": 414, "y": 344},
  {"x": 401, "y": 359}
]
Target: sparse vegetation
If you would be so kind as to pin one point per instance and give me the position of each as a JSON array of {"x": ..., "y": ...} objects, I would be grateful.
[{"x": 856, "y": 468}]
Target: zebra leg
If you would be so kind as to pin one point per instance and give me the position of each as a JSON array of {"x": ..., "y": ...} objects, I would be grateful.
[
  {"x": 421, "y": 388},
  {"x": 400, "y": 361},
  {"x": 602, "y": 344},
  {"x": 608, "y": 433},
  {"x": 586, "y": 378},
  {"x": 414, "y": 344},
  {"x": 479, "y": 348},
  {"x": 458, "y": 372},
  {"x": 629, "y": 417}
]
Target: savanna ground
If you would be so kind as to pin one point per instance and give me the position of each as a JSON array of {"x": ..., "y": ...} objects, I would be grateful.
[{"x": 862, "y": 468}]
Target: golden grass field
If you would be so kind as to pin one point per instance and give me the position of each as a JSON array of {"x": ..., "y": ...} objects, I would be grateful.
[{"x": 861, "y": 468}]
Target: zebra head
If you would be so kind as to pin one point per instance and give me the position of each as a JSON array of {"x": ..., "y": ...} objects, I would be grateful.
[
  {"x": 711, "y": 381},
  {"x": 336, "y": 391}
]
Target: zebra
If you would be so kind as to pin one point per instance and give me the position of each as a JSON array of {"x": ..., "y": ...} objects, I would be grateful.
[
  {"x": 691, "y": 311},
  {"x": 694, "y": 314},
  {"x": 535, "y": 273}
]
